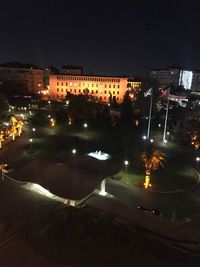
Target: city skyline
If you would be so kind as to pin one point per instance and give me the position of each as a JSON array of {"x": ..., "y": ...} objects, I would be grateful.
[{"x": 103, "y": 37}]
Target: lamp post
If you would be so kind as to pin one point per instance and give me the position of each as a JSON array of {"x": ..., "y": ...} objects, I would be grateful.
[
  {"x": 126, "y": 165},
  {"x": 33, "y": 129},
  {"x": 74, "y": 151},
  {"x": 30, "y": 141}
]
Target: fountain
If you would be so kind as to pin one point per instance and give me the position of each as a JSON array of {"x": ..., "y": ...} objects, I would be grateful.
[{"x": 99, "y": 155}]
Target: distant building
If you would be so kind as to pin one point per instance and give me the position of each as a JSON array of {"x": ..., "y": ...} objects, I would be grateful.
[
  {"x": 177, "y": 76},
  {"x": 71, "y": 70},
  {"x": 29, "y": 76},
  {"x": 101, "y": 88}
]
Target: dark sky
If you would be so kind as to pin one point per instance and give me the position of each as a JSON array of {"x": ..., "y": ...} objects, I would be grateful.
[{"x": 104, "y": 37}]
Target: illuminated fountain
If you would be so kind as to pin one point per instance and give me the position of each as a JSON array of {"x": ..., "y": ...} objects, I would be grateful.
[
  {"x": 102, "y": 190},
  {"x": 99, "y": 155}
]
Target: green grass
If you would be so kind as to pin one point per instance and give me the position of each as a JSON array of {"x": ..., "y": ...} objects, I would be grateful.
[{"x": 163, "y": 179}]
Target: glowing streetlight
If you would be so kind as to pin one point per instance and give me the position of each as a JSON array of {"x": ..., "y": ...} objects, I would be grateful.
[
  {"x": 144, "y": 137},
  {"x": 33, "y": 129},
  {"x": 74, "y": 151},
  {"x": 151, "y": 140},
  {"x": 198, "y": 159},
  {"x": 85, "y": 125},
  {"x": 126, "y": 164},
  {"x": 165, "y": 141},
  {"x": 30, "y": 141}
]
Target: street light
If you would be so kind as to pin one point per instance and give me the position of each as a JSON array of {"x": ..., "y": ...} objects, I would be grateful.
[
  {"x": 85, "y": 125},
  {"x": 30, "y": 141},
  {"x": 74, "y": 151},
  {"x": 126, "y": 164},
  {"x": 197, "y": 159}
]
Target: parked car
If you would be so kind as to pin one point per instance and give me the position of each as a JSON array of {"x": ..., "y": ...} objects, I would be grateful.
[{"x": 149, "y": 210}]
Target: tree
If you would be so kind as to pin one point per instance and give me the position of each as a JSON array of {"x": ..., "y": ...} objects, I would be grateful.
[
  {"x": 152, "y": 161},
  {"x": 127, "y": 110}
]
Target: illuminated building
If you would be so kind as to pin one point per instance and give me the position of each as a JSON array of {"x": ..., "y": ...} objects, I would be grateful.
[
  {"x": 29, "y": 76},
  {"x": 190, "y": 80},
  {"x": 100, "y": 88}
]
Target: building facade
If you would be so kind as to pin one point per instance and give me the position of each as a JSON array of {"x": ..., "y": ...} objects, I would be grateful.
[
  {"x": 166, "y": 76},
  {"x": 190, "y": 80},
  {"x": 71, "y": 70},
  {"x": 31, "y": 79},
  {"x": 100, "y": 88}
]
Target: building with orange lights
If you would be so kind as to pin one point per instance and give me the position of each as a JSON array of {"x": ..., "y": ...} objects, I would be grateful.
[{"x": 101, "y": 88}]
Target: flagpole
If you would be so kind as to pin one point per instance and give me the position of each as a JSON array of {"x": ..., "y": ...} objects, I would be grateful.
[
  {"x": 150, "y": 110},
  {"x": 166, "y": 117}
]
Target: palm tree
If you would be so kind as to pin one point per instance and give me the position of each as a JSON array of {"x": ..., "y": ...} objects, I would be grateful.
[{"x": 152, "y": 161}]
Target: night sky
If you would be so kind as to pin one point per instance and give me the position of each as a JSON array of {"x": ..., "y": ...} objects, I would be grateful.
[{"x": 104, "y": 37}]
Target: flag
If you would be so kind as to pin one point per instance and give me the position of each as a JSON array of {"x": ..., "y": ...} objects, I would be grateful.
[
  {"x": 182, "y": 104},
  {"x": 165, "y": 93},
  {"x": 148, "y": 92},
  {"x": 177, "y": 97}
]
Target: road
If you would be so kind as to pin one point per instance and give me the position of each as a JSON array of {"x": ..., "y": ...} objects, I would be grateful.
[{"x": 20, "y": 207}]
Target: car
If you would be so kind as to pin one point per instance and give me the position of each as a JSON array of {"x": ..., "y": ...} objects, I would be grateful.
[{"x": 149, "y": 210}]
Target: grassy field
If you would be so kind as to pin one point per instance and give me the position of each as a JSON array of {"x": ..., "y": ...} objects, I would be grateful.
[{"x": 121, "y": 145}]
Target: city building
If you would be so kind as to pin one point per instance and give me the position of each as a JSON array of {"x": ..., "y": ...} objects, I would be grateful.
[
  {"x": 71, "y": 70},
  {"x": 28, "y": 76},
  {"x": 101, "y": 88},
  {"x": 177, "y": 76}
]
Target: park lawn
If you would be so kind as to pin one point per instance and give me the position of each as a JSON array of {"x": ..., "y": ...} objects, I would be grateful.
[{"x": 173, "y": 177}]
